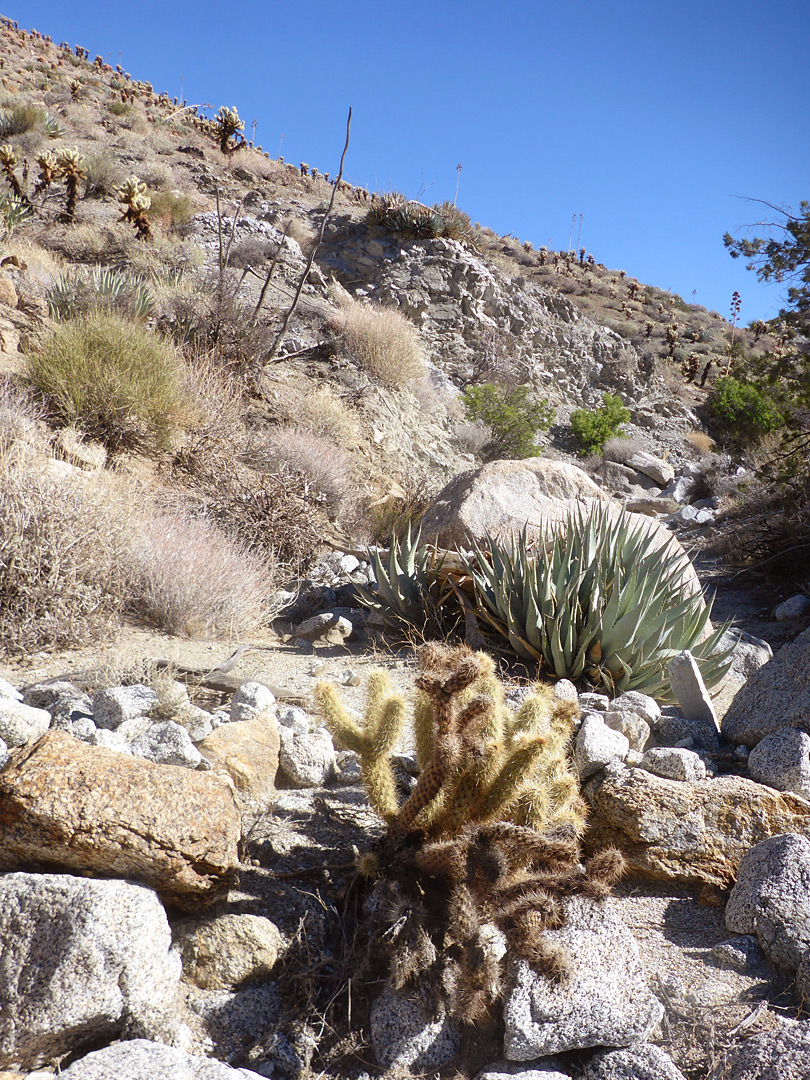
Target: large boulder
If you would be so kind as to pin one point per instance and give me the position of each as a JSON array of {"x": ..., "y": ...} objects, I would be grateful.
[
  {"x": 81, "y": 958},
  {"x": 783, "y": 1054},
  {"x": 691, "y": 831},
  {"x": 604, "y": 1001},
  {"x": 105, "y": 814},
  {"x": 140, "y": 1059},
  {"x": 776, "y": 696},
  {"x": 772, "y": 899},
  {"x": 502, "y": 498}
]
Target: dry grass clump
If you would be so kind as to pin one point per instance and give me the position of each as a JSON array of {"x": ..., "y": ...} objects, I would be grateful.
[
  {"x": 113, "y": 378},
  {"x": 104, "y": 174},
  {"x": 701, "y": 442},
  {"x": 190, "y": 577},
  {"x": 172, "y": 209},
  {"x": 19, "y": 418},
  {"x": 323, "y": 465},
  {"x": 380, "y": 340},
  {"x": 621, "y": 449},
  {"x": 322, "y": 413},
  {"x": 63, "y": 553}
]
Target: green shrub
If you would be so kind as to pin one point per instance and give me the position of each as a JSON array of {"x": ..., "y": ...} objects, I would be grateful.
[
  {"x": 742, "y": 412},
  {"x": 594, "y": 427},
  {"x": 513, "y": 416},
  {"x": 113, "y": 378},
  {"x": 119, "y": 108}
]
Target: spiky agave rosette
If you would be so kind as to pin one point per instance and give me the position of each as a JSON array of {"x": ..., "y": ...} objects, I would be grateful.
[
  {"x": 486, "y": 844},
  {"x": 601, "y": 599}
]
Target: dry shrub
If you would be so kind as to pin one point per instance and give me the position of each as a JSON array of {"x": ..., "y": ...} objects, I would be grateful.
[
  {"x": 620, "y": 449},
  {"x": 381, "y": 341},
  {"x": 299, "y": 231},
  {"x": 323, "y": 414},
  {"x": 88, "y": 242},
  {"x": 63, "y": 553},
  {"x": 19, "y": 418},
  {"x": 276, "y": 510},
  {"x": 104, "y": 174},
  {"x": 172, "y": 208},
  {"x": 117, "y": 381},
  {"x": 44, "y": 265},
  {"x": 472, "y": 435},
  {"x": 189, "y": 577},
  {"x": 701, "y": 442},
  {"x": 323, "y": 465},
  {"x": 393, "y": 515}
]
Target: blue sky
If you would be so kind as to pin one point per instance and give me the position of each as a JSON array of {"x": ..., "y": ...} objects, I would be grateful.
[{"x": 649, "y": 119}]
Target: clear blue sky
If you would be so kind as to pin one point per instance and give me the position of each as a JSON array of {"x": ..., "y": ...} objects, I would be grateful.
[{"x": 646, "y": 117}]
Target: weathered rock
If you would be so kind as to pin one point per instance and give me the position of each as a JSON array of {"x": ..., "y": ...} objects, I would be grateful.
[
  {"x": 641, "y": 704},
  {"x": 750, "y": 653},
  {"x": 306, "y": 760},
  {"x": 504, "y": 497},
  {"x": 246, "y": 752},
  {"x": 596, "y": 745},
  {"x": 776, "y": 696},
  {"x": 694, "y": 832},
  {"x": 674, "y": 763},
  {"x": 792, "y": 608},
  {"x": 772, "y": 898},
  {"x": 743, "y": 954},
  {"x": 252, "y": 699},
  {"x": 98, "y": 812},
  {"x": 634, "y": 728},
  {"x": 328, "y": 625},
  {"x": 109, "y": 740},
  {"x": 656, "y": 468},
  {"x": 21, "y": 723},
  {"x": 139, "y": 1059},
  {"x": 116, "y": 704},
  {"x": 603, "y": 1002},
  {"x": 548, "y": 1069},
  {"x": 84, "y": 453},
  {"x": 80, "y": 959},
  {"x": 782, "y": 761},
  {"x": 404, "y": 1036},
  {"x": 11, "y": 692},
  {"x": 641, "y": 1062},
  {"x": 167, "y": 743},
  {"x": 690, "y": 690},
  {"x": 801, "y": 985},
  {"x": 225, "y": 952},
  {"x": 290, "y": 716},
  {"x": 776, "y": 1055}
]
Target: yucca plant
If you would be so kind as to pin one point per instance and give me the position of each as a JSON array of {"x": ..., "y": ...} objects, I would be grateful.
[
  {"x": 53, "y": 129},
  {"x": 13, "y": 212},
  {"x": 74, "y": 294},
  {"x": 600, "y": 600}
]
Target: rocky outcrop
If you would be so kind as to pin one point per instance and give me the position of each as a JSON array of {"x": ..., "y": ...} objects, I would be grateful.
[
  {"x": 776, "y": 696},
  {"x": 695, "y": 831},
  {"x": 604, "y": 1001},
  {"x": 80, "y": 959},
  {"x": 98, "y": 812}
]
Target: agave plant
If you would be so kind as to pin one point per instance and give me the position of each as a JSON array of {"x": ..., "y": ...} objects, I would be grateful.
[
  {"x": 408, "y": 588},
  {"x": 72, "y": 294},
  {"x": 601, "y": 600},
  {"x": 53, "y": 128},
  {"x": 13, "y": 212}
]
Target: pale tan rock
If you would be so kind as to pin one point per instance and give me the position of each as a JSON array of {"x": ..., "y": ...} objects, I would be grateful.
[
  {"x": 80, "y": 452},
  {"x": 502, "y": 498},
  {"x": 225, "y": 952},
  {"x": 691, "y": 831},
  {"x": 246, "y": 752},
  {"x": 97, "y": 812},
  {"x": 8, "y": 294}
]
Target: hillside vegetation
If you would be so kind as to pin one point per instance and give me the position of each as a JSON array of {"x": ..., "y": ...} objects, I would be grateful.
[{"x": 150, "y": 260}]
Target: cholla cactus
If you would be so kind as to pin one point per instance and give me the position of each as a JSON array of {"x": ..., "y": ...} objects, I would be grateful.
[
  {"x": 132, "y": 195},
  {"x": 48, "y": 172},
  {"x": 8, "y": 161},
  {"x": 486, "y": 841},
  {"x": 69, "y": 165},
  {"x": 227, "y": 125}
]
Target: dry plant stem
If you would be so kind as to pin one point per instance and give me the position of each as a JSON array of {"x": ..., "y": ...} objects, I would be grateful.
[
  {"x": 273, "y": 353},
  {"x": 270, "y": 273}
]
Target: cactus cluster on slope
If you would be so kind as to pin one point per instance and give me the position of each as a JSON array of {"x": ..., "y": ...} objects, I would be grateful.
[{"x": 486, "y": 844}]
